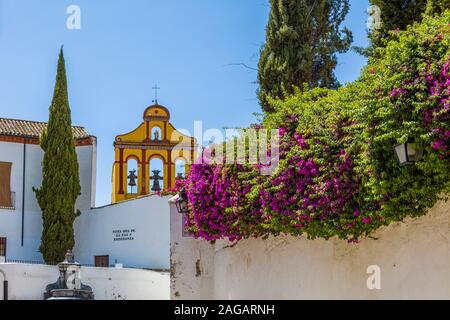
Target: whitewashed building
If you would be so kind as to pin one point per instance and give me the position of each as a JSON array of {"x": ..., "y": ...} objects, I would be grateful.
[{"x": 133, "y": 233}]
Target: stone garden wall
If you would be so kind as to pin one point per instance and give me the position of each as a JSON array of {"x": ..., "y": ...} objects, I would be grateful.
[{"x": 412, "y": 260}]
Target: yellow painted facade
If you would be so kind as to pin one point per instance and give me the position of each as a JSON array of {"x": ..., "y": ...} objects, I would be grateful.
[{"x": 155, "y": 137}]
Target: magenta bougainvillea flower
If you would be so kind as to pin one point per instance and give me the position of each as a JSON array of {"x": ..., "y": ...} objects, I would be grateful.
[
  {"x": 337, "y": 174},
  {"x": 231, "y": 201},
  {"x": 436, "y": 117}
]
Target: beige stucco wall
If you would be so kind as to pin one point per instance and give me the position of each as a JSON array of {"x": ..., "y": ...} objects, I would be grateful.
[{"x": 413, "y": 257}]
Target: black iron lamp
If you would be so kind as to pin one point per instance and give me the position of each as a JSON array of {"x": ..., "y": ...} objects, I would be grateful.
[
  {"x": 182, "y": 202},
  {"x": 408, "y": 153}
]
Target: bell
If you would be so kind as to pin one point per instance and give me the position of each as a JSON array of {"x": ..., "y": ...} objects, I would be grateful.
[
  {"x": 132, "y": 178},
  {"x": 179, "y": 176},
  {"x": 156, "y": 178}
]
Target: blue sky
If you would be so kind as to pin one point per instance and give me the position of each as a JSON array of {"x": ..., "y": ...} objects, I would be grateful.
[{"x": 125, "y": 47}]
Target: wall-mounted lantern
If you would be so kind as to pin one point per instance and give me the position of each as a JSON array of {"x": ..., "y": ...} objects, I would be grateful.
[
  {"x": 408, "y": 153},
  {"x": 182, "y": 202}
]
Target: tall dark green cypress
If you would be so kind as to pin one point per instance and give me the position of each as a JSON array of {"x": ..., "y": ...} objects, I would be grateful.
[
  {"x": 61, "y": 183},
  {"x": 302, "y": 39},
  {"x": 437, "y": 6},
  {"x": 395, "y": 14},
  {"x": 398, "y": 14}
]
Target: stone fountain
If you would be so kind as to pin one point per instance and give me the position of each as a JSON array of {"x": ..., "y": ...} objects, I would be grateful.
[{"x": 68, "y": 286}]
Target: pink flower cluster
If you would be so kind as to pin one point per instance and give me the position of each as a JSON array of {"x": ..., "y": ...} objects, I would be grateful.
[
  {"x": 315, "y": 187},
  {"x": 301, "y": 193},
  {"x": 436, "y": 117},
  {"x": 398, "y": 92},
  {"x": 214, "y": 194}
]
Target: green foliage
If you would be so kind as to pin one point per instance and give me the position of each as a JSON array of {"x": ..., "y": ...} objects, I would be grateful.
[
  {"x": 386, "y": 106},
  {"x": 302, "y": 39},
  {"x": 398, "y": 14},
  {"x": 338, "y": 175},
  {"x": 437, "y": 6},
  {"x": 61, "y": 184}
]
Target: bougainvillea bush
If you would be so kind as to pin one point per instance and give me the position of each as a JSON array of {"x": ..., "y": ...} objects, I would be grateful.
[{"x": 338, "y": 174}]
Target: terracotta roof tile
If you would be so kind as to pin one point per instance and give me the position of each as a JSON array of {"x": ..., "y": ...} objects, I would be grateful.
[{"x": 26, "y": 128}]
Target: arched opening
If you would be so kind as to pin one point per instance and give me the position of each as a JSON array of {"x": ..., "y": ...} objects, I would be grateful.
[
  {"x": 180, "y": 168},
  {"x": 132, "y": 176},
  {"x": 156, "y": 175},
  {"x": 156, "y": 133}
]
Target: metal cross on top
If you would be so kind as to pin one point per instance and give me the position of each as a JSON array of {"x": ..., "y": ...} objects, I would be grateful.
[{"x": 156, "y": 88}]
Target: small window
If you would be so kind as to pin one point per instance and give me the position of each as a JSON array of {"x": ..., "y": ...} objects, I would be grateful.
[
  {"x": 102, "y": 261},
  {"x": 180, "y": 169},
  {"x": 156, "y": 134},
  {"x": 5, "y": 185},
  {"x": 2, "y": 247}
]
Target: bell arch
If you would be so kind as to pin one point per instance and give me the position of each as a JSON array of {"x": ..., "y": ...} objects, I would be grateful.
[
  {"x": 180, "y": 168},
  {"x": 157, "y": 161},
  {"x": 157, "y": 156},
  {"x": 131, "y": 161},
  {"x": 169, "y": 145},
  {"x": 132, "y": 169},
  {"x": 157, "y": 179}
]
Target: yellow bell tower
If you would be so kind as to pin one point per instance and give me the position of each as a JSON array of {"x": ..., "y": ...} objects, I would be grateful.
[{"x": 157, "y": 138}]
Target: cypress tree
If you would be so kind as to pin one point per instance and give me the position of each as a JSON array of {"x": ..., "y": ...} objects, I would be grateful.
[
  {"x": 395, "y": 14},
  {"x": 437, "y": 6},
  {"x": 61, "y": 183},
  {"x": 302, "y": 39},
  {"x": 398, "y": 14}
]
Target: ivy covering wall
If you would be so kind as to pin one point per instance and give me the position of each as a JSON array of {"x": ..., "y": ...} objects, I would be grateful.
[{"x": 338, "y": 174}]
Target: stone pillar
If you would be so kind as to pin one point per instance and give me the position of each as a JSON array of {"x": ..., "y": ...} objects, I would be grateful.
[
  {"x": 144, "y": 172},
  {"x": 121, "y": 191},
  {"x": 169, "y": 169},
  {"x": 192, "y": 151},
  {"x": 191, "y": 262},
  {"x": 165, "y": 132}
]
